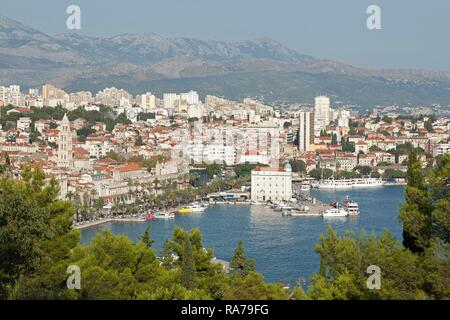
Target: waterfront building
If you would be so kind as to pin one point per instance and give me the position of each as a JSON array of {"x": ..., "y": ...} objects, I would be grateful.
[{"x": 271, "y": 184}]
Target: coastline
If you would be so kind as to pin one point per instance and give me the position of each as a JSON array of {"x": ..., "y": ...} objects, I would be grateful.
[{"x": 105, "y": 220}]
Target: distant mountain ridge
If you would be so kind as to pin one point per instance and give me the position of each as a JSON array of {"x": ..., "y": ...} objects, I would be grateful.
[{"x": 151, "y": 62}]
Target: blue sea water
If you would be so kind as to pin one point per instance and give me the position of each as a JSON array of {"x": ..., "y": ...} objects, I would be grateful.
[{"x": 282, "y": 247}]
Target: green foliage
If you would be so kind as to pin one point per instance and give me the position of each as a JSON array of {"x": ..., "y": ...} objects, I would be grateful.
[
  {"x": 35, "y": 237},
  {"x": 393, "y": 173},
  {"x": 145, "y": 116},
  {"x": 84, "y": 132},
  {"x": 387, "y": 119},
  {"x": 334, "y": 139},
  {"x": 348, "y": 146},
  {"x": 151, "y": 163},
  {"x": 188, "y": 269},
  {"x": 375, "y": 174},
  {"x": 344, "y": 262},
  {"x": 252, "y": 287},
  {"x": 34, "y": 136},
  {"x": 364, "y": 170},
  {"x": 425, "y": 213},
  {"x": 245, "y": 169},
  {"x": 342, "y": 174},
  {"x": 239, "y": 264},
  {"x": 321, "y": 173},
  {"x": 374, "y": 148},
  {"x": 213, "y": 170},
  {"x": 298, "y": 166},
  {"x": 146, "y": 239},
  {"x": 416, "y": 212},
  {"x": 138, "y": 142}
]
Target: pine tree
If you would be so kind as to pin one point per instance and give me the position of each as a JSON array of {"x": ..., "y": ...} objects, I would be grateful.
[
  {"x": 188, "y": 270},
  {"x": 334, "y": 139},
  {"x": 239, "y": 264},
  {"x": 416, "y": 211},
  {"x": 146, "y": 239}
]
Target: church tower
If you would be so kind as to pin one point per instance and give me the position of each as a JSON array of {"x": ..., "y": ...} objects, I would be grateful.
[{"x": 65, "y": 157}]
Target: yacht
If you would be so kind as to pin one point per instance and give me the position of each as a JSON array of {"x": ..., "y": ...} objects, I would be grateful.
[
  {"x": 164, "y": 215},
  {"x": 335, "y": 212},
  {"x": 350, "y": 206},
  {"x": 196, "y": 207}
]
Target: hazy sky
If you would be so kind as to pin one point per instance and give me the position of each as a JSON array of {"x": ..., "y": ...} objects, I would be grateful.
[{"x": 415, "y": 33}]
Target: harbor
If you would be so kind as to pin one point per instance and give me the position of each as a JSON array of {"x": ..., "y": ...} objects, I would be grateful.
[{"x": 283, "y": 247}]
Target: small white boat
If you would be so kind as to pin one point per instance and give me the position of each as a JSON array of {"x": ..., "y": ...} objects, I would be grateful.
[
  {"x": 196, "y": 207},
  {"x": 164, "y": 215}
]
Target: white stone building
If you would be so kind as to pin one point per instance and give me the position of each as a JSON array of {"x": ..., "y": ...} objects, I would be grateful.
[{"x": 271, "y": 184}]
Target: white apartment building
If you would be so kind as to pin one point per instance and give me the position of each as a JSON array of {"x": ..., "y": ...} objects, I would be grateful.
[
  {"x": 195, "y": 111},
  {"x": 190, "y": 97},
  {"x": 347, "y": 163},
  {"x": 271, "y": 184},
  {"x": 306, "y": 131},
  {"x": 211, "y": 153},
  {"x": 24, "y": 123},
  {"x": 343, "y": 118},
  {"x": 321, "y": 113},
  {"x": 12, "y": 95},
  {"x": 98, "y": 148},
  {"x": 148, "y": 102},
  {"x": 169, "y": 100},
  {"x": 441, "y": 149}
]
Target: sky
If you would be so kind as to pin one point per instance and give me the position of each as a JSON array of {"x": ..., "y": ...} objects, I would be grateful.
[{"x": 413, "y": 34}]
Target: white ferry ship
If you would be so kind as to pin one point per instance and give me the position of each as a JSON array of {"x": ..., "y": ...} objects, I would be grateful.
[
  {"x": 349, "y": 183},
  {"x": 368, "y": 182}
]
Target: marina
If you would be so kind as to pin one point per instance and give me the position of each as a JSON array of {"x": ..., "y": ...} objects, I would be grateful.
[{"x": 283, "y": 247}]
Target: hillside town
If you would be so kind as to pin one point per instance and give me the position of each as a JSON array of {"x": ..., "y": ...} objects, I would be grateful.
[{"x": 114, "y": 148}]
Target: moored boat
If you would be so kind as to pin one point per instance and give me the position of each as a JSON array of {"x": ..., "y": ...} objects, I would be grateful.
[
  {"x": 194, "y": 207},
  {"x": 349, "y": 183},
  {"x": 350, "y": 206},
  {"x": 335, "y": 212},
  {"x": 164, "y": 215}
]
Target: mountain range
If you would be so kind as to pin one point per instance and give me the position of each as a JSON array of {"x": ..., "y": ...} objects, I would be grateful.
[{"x": 259, "y": 68}]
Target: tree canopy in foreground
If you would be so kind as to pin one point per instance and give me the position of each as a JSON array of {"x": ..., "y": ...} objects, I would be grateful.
[{"x": 37, "y": 244}]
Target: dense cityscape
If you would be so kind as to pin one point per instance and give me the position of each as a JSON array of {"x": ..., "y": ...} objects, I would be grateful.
[
  {"x": 110, "y": 148},
  {"x": 224, "y": 155}
]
